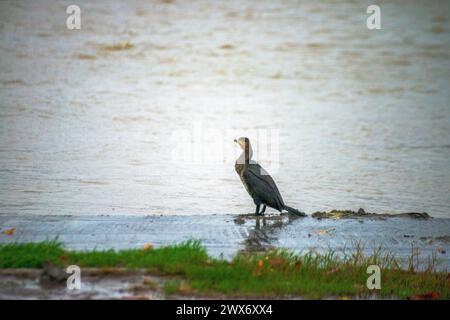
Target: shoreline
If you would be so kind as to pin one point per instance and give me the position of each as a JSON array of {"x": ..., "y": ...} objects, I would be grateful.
[{"x": 226, "y": 235}]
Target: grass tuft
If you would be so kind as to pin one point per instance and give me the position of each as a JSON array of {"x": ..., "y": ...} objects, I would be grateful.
[{"x": 29, "y": 255}]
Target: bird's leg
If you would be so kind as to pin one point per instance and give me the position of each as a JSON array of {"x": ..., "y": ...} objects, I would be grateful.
[
  {"x": 257, "y": 209},
  {"x": 258, "y": 224},
  {"x": 263, "y": 209}
]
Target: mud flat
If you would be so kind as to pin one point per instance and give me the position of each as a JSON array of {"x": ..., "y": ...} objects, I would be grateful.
[
  {"x": 97, "y": 284},
  {"x": 225, "y": 235}
]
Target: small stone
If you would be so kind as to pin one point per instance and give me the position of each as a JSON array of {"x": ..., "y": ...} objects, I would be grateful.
[{"x": 52, "y": 275}]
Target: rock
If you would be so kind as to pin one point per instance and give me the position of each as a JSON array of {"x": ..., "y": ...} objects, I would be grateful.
[
  {"x": 52, "y": 275},
  {"x": 361, "y": 213},
  {"x": 412, "y": 215}
]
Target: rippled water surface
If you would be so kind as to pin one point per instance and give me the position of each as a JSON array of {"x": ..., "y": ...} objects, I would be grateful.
[{"x": 91, "y": 119}]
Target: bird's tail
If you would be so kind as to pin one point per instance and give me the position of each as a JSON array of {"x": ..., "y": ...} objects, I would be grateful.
[{"x": 294, "y": 211}]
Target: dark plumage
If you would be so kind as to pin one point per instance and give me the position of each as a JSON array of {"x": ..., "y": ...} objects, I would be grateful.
[{"x": 258, "y": 182}]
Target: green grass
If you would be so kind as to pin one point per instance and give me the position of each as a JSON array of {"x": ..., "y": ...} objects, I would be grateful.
[
  {"x": 277, "y": 273},
  {"x": 29, "y": 255}
]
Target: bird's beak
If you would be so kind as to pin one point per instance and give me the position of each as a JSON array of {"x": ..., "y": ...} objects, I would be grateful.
[{"x": 235, "y": 141}]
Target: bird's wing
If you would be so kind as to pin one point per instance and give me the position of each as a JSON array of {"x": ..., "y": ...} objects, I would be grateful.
[{"x": 263, "y": 185}]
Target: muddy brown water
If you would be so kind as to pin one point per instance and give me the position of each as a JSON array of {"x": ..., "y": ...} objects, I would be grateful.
[
  {"x": 96, "y": 284},
  {"x": 90, "y": 118}
]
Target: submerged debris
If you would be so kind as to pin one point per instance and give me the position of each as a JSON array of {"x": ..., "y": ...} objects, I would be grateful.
[
  {"x": 125, "y": 45},
  {"x": 349, "y": 214},
  {"x": 327, "y": 231}
]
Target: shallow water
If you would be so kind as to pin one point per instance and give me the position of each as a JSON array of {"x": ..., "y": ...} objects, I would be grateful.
[
  {"x": 225, "y": 235},
  {"x": 91, "y": 119}
]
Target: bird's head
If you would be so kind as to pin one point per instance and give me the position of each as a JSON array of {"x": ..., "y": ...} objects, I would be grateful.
[{"x": 243, "y": 142}]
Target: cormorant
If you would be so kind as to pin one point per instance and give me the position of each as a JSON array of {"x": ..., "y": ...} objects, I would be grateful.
[{"x": 258, "y": 182}]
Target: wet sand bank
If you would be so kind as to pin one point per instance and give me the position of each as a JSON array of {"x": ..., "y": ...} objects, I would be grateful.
[{"x": 225, "y": 235}]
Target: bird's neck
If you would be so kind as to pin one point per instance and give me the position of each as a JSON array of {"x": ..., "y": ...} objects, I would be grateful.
[{"x": 246, "y": 155}]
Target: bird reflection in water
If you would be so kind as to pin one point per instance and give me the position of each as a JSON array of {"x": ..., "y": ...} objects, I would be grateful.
[{"x": 264, "y": 233}]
